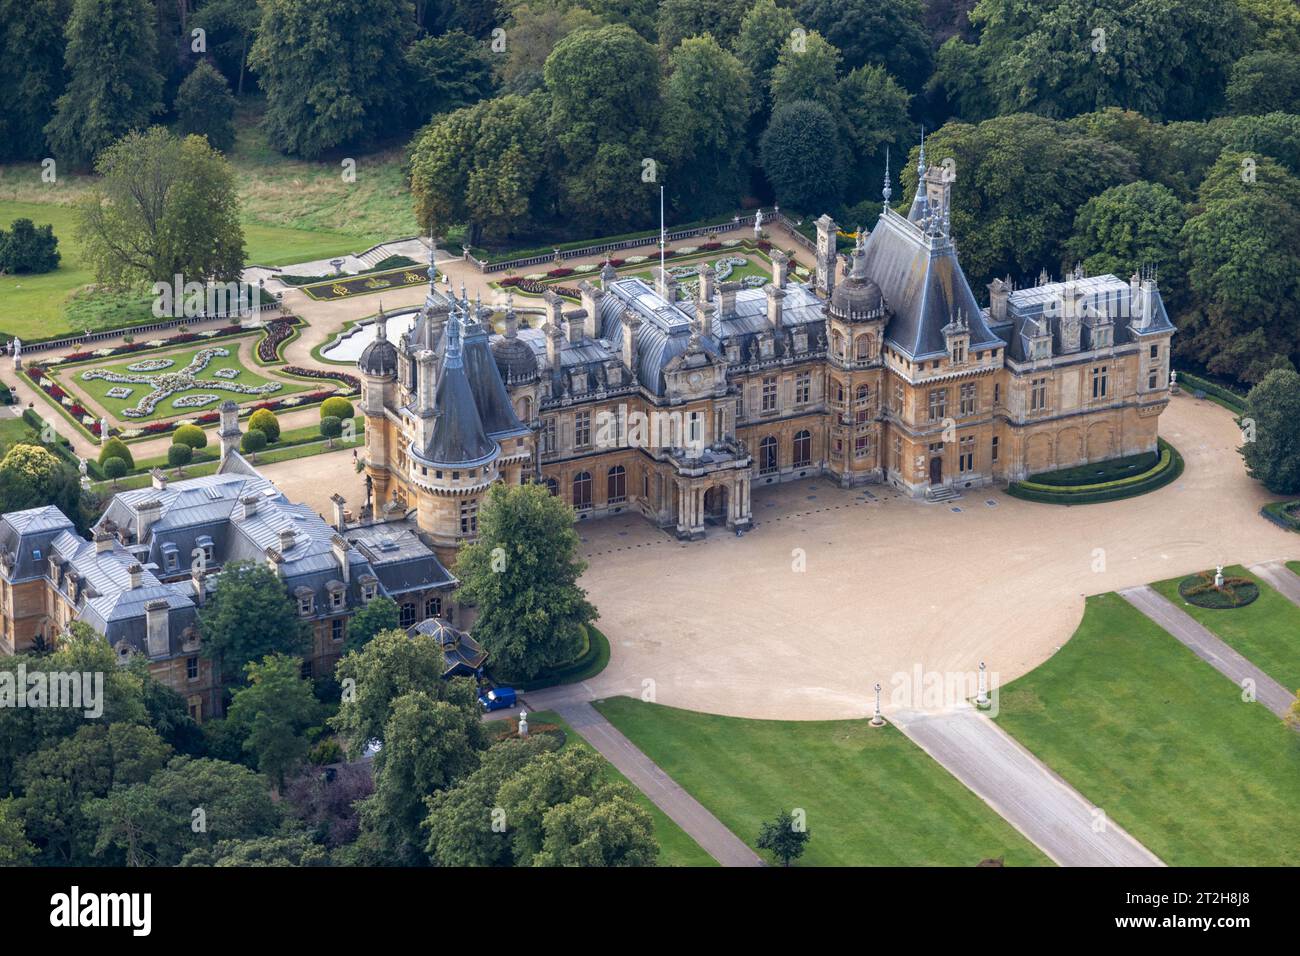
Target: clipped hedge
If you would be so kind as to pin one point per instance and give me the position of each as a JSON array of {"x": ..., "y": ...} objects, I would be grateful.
[
  {"x": 1167, "y": 469},
  {"x": 1233, "y": 401},
  {"x": 588, "y": 664},
  {"x": 1284, "y": 514}
]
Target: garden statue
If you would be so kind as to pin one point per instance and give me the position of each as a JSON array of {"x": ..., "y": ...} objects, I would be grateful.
[
  {"x": 103, "y": 430},
  {"x": 1173, "y": 378},
  {"x": 758, "y": 224},
  {"x": 18, "y": 352},
  {"x": 523, "y": 723},
  {"x": 1218, "y": 577}
]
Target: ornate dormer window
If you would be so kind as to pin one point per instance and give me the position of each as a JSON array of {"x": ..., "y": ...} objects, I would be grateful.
[{"x": 957, "y": 337}]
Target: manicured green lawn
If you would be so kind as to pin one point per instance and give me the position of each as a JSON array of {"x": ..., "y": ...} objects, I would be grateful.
[
  {"x": 71, "y": 380},
  {"x": 40, "y": 306},
  {"x": 675, "y": 847},
  {"x": 1266, "y": 631},
  {"x": 872, "y": 797},
  {"x": 1161, "y": 742},
  {"x": 12, "y": 429}
]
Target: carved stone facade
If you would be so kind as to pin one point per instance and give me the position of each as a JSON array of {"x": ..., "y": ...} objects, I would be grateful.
[{"x": 883, "y": 369}]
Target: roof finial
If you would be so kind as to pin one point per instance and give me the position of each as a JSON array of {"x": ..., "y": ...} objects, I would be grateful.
[
  {"x": 888, "y": 190},
  {"x": 920, "y": 163}
]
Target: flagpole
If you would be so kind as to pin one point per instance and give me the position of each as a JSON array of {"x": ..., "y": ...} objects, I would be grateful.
[{"x": 663, "y": 233}]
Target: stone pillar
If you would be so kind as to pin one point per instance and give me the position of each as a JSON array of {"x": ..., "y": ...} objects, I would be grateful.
[
  {"x": 228, "y": 430},
  {"x": 826, "y": 255}
]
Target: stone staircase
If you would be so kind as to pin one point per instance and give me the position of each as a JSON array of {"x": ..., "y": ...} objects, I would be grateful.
[{"x": 942, "y": 493}]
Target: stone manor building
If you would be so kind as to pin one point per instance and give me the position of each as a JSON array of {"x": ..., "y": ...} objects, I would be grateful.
[{"x": 883, "y": 370}]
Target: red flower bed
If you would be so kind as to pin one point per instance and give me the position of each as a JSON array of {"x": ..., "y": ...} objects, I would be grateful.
[
  {"x": 764, "y": 245},
  {"x": 77, "y": 410},
  {"x": 711, "y": 246},
  {"x": 616, "y": 262},
  {"x": 56, "y": 392},
  {"x": 351, "y": 381},
  {"x": 94, "y": 428},
  {"x": 209, "y": 418},
  {"x": 78, "y": 356},
  {"x": 36, "y": 373},
  {"x": 156, "y": 427},
  {"x": 268, "y": 348},
  {"x": 560, "y": 273}
]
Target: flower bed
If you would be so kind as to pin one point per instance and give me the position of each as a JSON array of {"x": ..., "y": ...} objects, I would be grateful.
[
  {"x": 351, "y": 381},
  {"x": 1199, "y": 589},
  {"x": 277, "y": 333}
]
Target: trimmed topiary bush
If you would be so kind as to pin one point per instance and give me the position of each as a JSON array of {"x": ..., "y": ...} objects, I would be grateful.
[
  {"x": 114, "y": 468},
  {"x": 191, "y": 435},
  {"x": 331, "y": 427},
  {"x": 254, "y": 440},
  {"x": 1199, "y": 589},
  {"x": 179, "y": 455},
  {"x": 264, "y": 420},
  {"x": 116, "y": 448},
  {"x": 336, "y": 407}
]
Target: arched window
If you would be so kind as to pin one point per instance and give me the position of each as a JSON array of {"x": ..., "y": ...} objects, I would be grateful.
[
  {"x": 839, "y": 392},
  {"x": 582, "y": 491},
  {"x": 837, "y": 344},
  {"x": 552, "y": 486},
  {"x": 803, "y": 449},
  {"x": 863, "y": 401},
  {"x": 525, "y": 409},
  {"x": 767, "y": 455},
  {"x": 407, "y": 616},
  {"x": 865, "y": 345},
  {"x": 616, "y": 485}
]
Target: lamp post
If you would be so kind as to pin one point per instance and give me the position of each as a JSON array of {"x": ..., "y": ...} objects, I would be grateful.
[{"x": 877, "y": 720}]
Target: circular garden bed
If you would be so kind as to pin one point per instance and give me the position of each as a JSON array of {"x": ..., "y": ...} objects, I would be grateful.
[{"x": 1199, "y": 589}]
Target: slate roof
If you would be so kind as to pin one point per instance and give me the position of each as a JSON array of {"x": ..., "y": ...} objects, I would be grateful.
[
  {"x": 26, "y": 536},
  {"x": 924, "y": 286},
  {"x": 1108, "y": 294},
  {"x": 457, "y": 436}
]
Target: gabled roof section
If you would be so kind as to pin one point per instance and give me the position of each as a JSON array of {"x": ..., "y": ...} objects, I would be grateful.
[
  {"x": 490, "y": 397},
  {"x": 457, "y": 436},
  {"x": 925, "y": 287}
]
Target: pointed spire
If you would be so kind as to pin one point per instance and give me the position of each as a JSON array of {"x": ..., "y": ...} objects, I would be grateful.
[
  {"x": 381, "y": 323},
  {"x": 920, "y": 163},
  {"x": 888, "y": 190},
  {"x": 452, "y": 358}
]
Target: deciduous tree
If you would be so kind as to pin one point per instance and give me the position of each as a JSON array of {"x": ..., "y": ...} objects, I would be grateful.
[
  {"x": 113, "y": 83},
  {"x": 164, "y": 207},
  {"x": 522, "y": 572},
  {"x": 249, "y": 616}
]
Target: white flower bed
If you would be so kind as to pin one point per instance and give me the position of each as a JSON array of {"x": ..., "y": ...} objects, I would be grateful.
[
  {"x": 536, "y": 276},
  {"x": 132, "y": 432},
  {"x": 119, "y": 391},
  {"x": 727, "y": 264},
  {"x": 150, "y": 365},
  {"x": 194, "y": 401},
  {"x": 687, "y": 250},
  {"x": 102, "y": 352},
  {"x": 587, "y": 267},
  {"x": 169, "y": 383},
  {"x": 635, "y": 259},
  {"x": 226, "y": 373},
  {"x": 730, "y": 243}
]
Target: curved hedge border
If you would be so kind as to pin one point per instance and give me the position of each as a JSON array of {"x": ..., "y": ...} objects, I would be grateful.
[
  {"x": 1232, "y": 401},
  {"x": 1167, "y": 469},
  {"x": 588, "y": 665},
  {"x": 1277, "y": 513},
  {"x": 1199, "y": 589}
]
